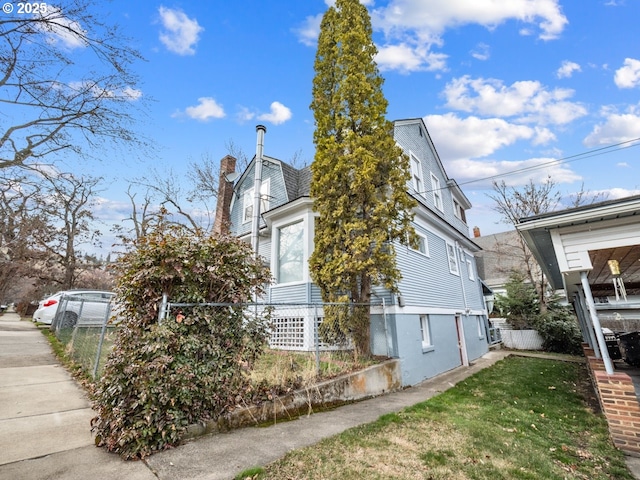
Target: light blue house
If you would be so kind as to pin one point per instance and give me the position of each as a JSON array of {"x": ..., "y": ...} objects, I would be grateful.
[{"x": 439, "y": 319}]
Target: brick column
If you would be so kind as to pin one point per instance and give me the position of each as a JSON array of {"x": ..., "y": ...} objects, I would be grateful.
[{"x": 620, "y": 404}]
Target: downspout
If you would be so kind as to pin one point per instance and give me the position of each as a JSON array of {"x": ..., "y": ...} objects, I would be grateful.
[
  {"x": 257, "y": 187},
  {"x": 464, "y": 291}
]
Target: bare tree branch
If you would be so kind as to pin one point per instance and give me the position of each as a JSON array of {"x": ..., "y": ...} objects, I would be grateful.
[{"x": 58, "y": 104}]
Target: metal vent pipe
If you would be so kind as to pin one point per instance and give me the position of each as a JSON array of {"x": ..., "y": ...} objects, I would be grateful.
[{"x": 257, "y": 187}]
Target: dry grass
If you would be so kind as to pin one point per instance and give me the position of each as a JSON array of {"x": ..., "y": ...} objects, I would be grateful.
[
  {"x": 522, "y": 419},
  {"x": 284, "y": 370}
]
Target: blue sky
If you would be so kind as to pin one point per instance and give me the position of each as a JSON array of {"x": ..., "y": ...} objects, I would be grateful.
[{"x": 502, "y": 86}]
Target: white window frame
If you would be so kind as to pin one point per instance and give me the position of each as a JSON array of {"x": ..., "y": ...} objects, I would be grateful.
[
  {"x": 458, "y": 211},
  {"x": 470, "y": 272},
  {"x": 247, "y": 201},
  {"x": 481, "y": 332},
  {"x": 425, "y": 332},
  {"x": 300, "y": 221},
  {"x": 452, "y": 259},
  {"x": 437, "y": 193},
  {"x": 416, "y": 174},
  {"x": 422, "y": 242}
]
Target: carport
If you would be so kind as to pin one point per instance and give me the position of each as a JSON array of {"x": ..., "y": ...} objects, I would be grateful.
[{"x": 593, "y": 253}]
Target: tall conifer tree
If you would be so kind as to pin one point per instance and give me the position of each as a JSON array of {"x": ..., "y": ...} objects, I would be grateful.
[{"x": 359, "y": 174}]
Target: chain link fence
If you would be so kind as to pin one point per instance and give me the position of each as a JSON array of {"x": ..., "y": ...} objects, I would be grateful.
[
  {"x": 319, "y": 329},
  {"x": 87, "y": 328},
  {"x": 84, "y": 325}
]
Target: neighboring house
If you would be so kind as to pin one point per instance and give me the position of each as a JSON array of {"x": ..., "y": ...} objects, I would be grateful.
[
  {"x": 438, "y": 321},
  {"x": 501, "y": 255}
]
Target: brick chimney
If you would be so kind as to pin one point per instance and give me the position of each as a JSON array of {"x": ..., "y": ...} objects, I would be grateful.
[
  {"x": 476, "y": 232},
  {"x": 225, "y": 194}
]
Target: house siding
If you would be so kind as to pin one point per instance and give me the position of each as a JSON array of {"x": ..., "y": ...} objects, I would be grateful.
[
  {"x": 427, "y": 286},
  {"x": 271, "y": 172},
  {"x": 417, "y": 363},
  {"x": 297, "y": 293},
  {"x": 427, "y": 280},
  {"x": 408, "y": 136}
]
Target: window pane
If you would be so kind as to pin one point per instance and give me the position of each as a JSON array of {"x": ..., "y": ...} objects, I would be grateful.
[
  {"x": 453, "y": 261},
  {"x": 424, "y": 330},
  {"x": 290, "y": 253}
]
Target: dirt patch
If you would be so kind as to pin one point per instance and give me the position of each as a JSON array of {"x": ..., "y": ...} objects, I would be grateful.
[{"x": 586, "y": 389}]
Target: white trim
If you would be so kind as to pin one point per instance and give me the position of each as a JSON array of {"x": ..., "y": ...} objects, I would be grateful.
[
  {"x": 438, "y": 201},
  {"x": 481, "y": 329},
  {"x": 463, "y": 340},
  {"x": 425, "y": 242},
  {"x": 265, "y": 192},
  {"x": 427, "y": 310},
  {"x": 470, "y": 273},
  {"x": 277, "y": 231},
  {"x": 425, "y": 332},
  {"x": 300, "y": 212},
  {"x": 416, "y": 173},
  {"x": 449, "y": 245}
]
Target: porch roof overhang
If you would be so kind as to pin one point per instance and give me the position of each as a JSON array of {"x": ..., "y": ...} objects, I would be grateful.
[{"x": 542, "y": 233}]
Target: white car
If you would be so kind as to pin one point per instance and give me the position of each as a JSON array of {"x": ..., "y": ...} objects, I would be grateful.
[{"x": 67, "y": 305}]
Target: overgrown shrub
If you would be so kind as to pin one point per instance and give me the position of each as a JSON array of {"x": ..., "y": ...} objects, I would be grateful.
[
  {"x": 519, "y": 305},
  {"x": 162, "y": 377},
  {"x": 560, "y": 331}
]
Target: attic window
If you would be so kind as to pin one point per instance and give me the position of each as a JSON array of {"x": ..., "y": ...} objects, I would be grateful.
[
  {"x": 420, "y": 130},
  {"x": 437, "y": 193},
  {"x": 416, "y": 174},
  {"x": 247, "y": 204},
  {"x": 458, "y": 211}
]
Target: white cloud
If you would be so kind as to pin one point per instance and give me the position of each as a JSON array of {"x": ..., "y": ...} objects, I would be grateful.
[
  {"x": 622, "y": 165},
  {"x": 132, "y": 93},
  {"x": 244, "y": 115},
  {"x": 278, "y": 114},
  {"x": 616, "y": 128},
  {"x": 526, "y": 101},
  {"x": 472, "y": 137},
  {"x": 481, "y": 52},
  {"x": 61, "y": 30},
  {"x": 127, "y": 93},
  {"x": 180, "y": 33},
  {"x": 308, "y": 32},
  {"x": 414, "y": 27},
  {"x": 629, "y": 75},
  {"x": 482, "y": 173},
  {"x": 465, "y": 143},
  {"x": 567, "y": 69},
  {"x": 432, "y": 17},
  {"x": 616, "y": 193},
  {"x": 420, "y": 24},
  {"x": 206, "y": 110}
]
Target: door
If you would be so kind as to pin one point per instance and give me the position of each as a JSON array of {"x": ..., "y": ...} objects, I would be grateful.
[{"x": 462, "y": 345}]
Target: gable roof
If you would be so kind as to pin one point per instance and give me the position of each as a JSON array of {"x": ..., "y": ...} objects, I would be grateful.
[{"x": 450, "y": 182}]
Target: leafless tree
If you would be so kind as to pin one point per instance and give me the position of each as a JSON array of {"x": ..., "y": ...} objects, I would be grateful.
[
  {"x": 20, "y": 222},
  {"x": 532, "y": 199},
  {"x": 52, "y": 104},
  {"x": 67, "y": 202}
]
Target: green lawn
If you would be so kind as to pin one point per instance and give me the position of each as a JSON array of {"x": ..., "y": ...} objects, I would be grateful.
[{"x": 524, "y": 418}]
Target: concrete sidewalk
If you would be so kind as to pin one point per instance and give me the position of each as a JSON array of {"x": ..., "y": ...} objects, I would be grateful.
[
  {"x": 44, "y": 423},
  {"x": 45, "y": 416}
]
